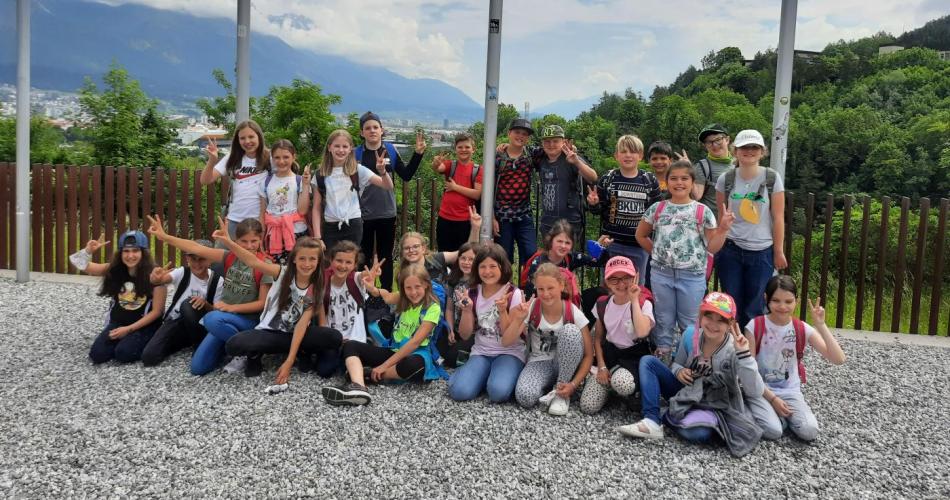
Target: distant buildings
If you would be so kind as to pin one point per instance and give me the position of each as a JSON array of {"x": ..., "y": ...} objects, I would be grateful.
[{"x": 890, "y": 49}]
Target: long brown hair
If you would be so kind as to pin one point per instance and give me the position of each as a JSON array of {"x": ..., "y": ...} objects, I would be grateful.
[
  {"x": 261, "y": 158},
  {"x": 290, "y": 274},
  {"x": 118, "y": 274}
]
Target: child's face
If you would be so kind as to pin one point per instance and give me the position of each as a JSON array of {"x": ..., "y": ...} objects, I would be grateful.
[
  {"x": 283, "y": 160},
  {"x": 250, "y": 242},
  {"x": 131, "y": 256},
  {"x": 307, "y": 260},
  {"x": 659, "y": 162},
  {"x": 372, "y": 132},
  {"x": 717, "y": 144},
  {"x": 464, "y": 151},
  {"x": 715, "y": 325},
  {"x": 198, "y": 265},
  {"x": 749, "y": 155},
  {"x": 549, "y": 289},
  {"x": 340, "y": 148},
  {"x": 783, "y": 303},
  {"x": 679, "y": 182},
  {"x": 619, "y": 284},
  {"x": 413, "y": 250},
  {"x": 415, "y": 289},
  {"x": 552, "y": 147},
  {"x": 561, "y": 245},
  {"x": 466, "y": 259},
  {"x": 628, "y": 160},
  {"x": 248, "y": 139},
  {"x": 489, "y": 271},
  {"x": 518, "y": 137},
  {"x": 343, "y": 263}
]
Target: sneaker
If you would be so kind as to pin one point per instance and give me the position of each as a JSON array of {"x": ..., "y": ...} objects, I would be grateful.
[
  {"x": 645, "y": 428},
  {"x": 351, "y": 394},
  {"x": 236, "y": 365},
  {"x": 559, "y": 406},
  {"x": 253, "y": 367},
  {"x": 546, "y": 400}
]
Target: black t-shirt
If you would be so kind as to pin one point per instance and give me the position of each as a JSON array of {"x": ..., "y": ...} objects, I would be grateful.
[{"x": 128, "y": 306}]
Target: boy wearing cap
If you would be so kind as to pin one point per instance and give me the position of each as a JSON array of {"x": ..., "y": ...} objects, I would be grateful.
[
  {"x": 379, "y": 205},
  {"x": 197, "y": 288},
  {"x": 562, "y": 175},
  {"x": 715, "y": 139},
  {"x": 513, "y": 167}
]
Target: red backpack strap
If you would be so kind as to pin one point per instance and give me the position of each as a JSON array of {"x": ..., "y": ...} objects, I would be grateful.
[
  {"x": 645, "y": 295},
  {"x": 602, "y": 308},
  {"x": 526, "y": 269},
  {"x": 568, "y": 312},
  {"x": 327, "y": 273},
  {"x": 758, "y": 331},
  {"x": 473, "y": 296},
  {"x": 799, "y": 327},
  {"x": 353, "y": 288},
  {"x": 659, "y": 210},
  {"x": 700, "y": 211},
  {"x": 534, "y": 317},
  {"x": 229, "y": 261}
]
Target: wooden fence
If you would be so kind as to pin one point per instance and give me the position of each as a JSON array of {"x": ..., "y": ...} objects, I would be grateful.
[{"x": 867, "y": 281}]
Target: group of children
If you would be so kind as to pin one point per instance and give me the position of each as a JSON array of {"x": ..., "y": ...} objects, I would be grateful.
[{"x": 725, "y": 364}]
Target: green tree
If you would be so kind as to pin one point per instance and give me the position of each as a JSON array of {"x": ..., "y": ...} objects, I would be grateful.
[
  {"x": 300, "y": 113},
  {"x": 45, "y": 141}
]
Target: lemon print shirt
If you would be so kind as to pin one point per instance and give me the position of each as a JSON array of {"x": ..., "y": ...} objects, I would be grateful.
[{"x": 751, "y": 203}]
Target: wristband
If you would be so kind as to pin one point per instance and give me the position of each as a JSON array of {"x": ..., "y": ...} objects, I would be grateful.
[{"x": 81, "y": 259}]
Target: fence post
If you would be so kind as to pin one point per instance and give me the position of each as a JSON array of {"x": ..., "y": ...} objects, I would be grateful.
[
  {"x": 901, "y": 260},
  {"x": 940, "y": 248},
  {"x": 419, "y": 205},
  {"x": 862, "y": 263},
  {"x": 404, "y": 220},
  {"x": 59, "y": 255},
  {"x": 881, "y": 249},
  {"x": 843, "y": 262},
  {"x": 919, "y": 265},
  {"x": 826, "y": 248},
  {"x": 36, "y": 242},
  {"x": 133, "y": 198},
  {"x": 72, "y": 211},
  {"x": 806, "y": 258}
]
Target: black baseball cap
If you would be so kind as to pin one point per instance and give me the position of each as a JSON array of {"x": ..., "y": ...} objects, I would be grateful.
[
  {"x": 712, "y": 128},
  {"x": 522, "y": 124}
]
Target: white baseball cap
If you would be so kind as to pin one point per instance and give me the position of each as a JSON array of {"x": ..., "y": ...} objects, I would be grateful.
[{"x": 747, "y": 137}]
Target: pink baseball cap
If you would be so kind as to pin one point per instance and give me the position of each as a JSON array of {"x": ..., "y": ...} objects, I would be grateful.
[{"x": 620, "y": 264}]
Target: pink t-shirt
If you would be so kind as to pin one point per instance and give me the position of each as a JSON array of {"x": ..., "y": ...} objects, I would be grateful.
[
  {"x": 618, "y": 322},
  {"x": 488, "y": 331}
]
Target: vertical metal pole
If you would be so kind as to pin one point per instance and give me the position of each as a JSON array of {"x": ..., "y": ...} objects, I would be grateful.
[
  {"x": 23, "y": 142},
  {"x": 491, "y": 118},
  {"x": 783, "y": 85},
  {"x": 242, "y": 107}
]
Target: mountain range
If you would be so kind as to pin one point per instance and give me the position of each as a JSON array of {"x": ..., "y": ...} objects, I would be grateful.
[{"x": 172, "y": 55}]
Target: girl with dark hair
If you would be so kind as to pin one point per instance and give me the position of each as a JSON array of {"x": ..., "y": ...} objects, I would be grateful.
[{"x": 285, "y": 202}]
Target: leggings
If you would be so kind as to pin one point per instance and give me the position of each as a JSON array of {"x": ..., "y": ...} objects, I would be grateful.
[
  {"x": 379, "y": 238},
  {"x": 256, "y": 342},
  {"x": 335, "y": 232},
  {"x": 175, "y": 335},
  {"x": 539, "y": 376},
  {"x": 412, "y": 367},
  {"x": 624, "y": 374}
]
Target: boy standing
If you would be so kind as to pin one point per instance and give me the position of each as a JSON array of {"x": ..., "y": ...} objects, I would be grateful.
[
  {"x": 660, "y": 156},
  {"x": 562, "y": 174},
  {"x": 463, "y": 187},
  {"x": 715, "y": 139},
  {"x": 377, "y": 204},
  {"x": 621, "y": 197},
  {"x": 513, "y": 167}
]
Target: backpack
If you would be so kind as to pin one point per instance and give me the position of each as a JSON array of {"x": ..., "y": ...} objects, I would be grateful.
[
  {"x": 183, "y": 285},
  {"x": 645, "y": 295},
  {"x": 758, "y": 327},
  {"x": 270, "y": 175},
  {"x": 700, "y": 212},
  {"x": 534, "y": 317},
  {"x": 232, "y": 257},
  {"x": 730, "y": 181},
  {"x": 571, "y": 280},
  {"x": 454, "y": 167}
]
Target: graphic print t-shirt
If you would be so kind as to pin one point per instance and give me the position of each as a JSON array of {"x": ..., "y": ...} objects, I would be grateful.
[
  {"x": 750, "y": 201},
  {"x": 513, "y": 193},
  {"x": 281, "y": 196},
  {"x": 677, "y": 241},
  {"x": 543, "y": 339},
  {"x": 284, "y": 321},
  {"x": 245, "y": 186},
  {"x": 128, "y": 306},
  {"x": 487, "y": 330},
  {"x": 345, "y": 317},
  {"x": 623, "y": 202},
  {"x": 558, "y": 199},
  {"x": 777, "y": 360}
]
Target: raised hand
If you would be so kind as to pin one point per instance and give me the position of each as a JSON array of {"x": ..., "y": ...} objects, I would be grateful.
[
  {"x": 221, "y": 233},
  {"x": 740, "y": 341},
  {"x": 212, "y": 149},
  {"x": 420, "y": 142},
  {"x": 570, "y": 151},
  {"x": 155, "y": 227},
  {"x": 306, "y": 175},
  {"x": 474, "y": 217},
  {"x": 727, "y": 219},
  {"x": 592, "y": 197},
  {"x": 520, "y": 311},
  {"x": 817, "y": 312},
  {"x": 438, "y": 162},
  {"x": 93, "y": 246},
  {"x": 160, "y": 272},
  {"x": 502, "y": 302},
  {"x": 382, "y": 160},
  {"x": 604, "y": 241},
  {"x": 681, "y": 156}
]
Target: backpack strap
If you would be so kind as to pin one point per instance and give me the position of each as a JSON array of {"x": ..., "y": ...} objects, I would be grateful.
[
  {"x": 730, "y": 183},
  {"x": 707, "y": 169},
  {"x": 453, "y": 168},
  {"x": 270, "y": 175},
  {"x": 799, "y": 327},
  {"x": 534, "y": 317},
  {"x": 179, "y": 290},
  {"x": 354, "y": 290},
  {"x": 355, "y": 181},
  {"x": 602, "y": 309},
  {"x": 475, "y": 168},
  {"x": 327, "y": 273},
  {"x": 473, "y": 296},
  {"x": 758, "y": 331},
  {"x": 212, "y": 287},
  {"x": 232, "y": 258},
  {"x": 526, "y": 269},
  {"x": 568, "y": 312},
  {"x": 659, "y": 210}
]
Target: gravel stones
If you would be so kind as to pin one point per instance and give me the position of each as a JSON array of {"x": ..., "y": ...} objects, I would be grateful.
[{"x": 73, "y": 429}]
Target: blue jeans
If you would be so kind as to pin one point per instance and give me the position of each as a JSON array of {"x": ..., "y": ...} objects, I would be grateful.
[
  {"x": 128, "y": 349},
  {"x": 520, "y": 231},
  {"x": 638, "y": 255},
  {"x": 498, "y": 374},
  {"x": 655, "y": 380},
  {"x": 221, "y": 326},
  {"x": 677, "y": 294},
  {"x": 743, "y": 274}
]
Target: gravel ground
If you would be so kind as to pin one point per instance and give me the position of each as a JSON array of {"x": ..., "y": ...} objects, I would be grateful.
[{"x": 71, "y": 429}]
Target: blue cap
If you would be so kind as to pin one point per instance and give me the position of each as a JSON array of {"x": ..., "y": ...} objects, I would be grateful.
[{"x": 133, "y": 239}]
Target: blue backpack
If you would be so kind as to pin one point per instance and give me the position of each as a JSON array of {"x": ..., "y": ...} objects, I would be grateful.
[{"x": 430, "y": 353}]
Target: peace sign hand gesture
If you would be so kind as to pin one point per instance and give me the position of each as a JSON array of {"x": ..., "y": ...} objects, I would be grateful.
[
  {"x": 682, "y": 156},
  {"x": 159, "y": 273},
  {"x": 520, "y": 311},
  {"x": 438, "y": 163},
  {"x": 420, "y": 142},
  {"x": 570, "y": 151},
  {"x": 740, "y": 341},
  {"x": 155, "y": 227},
  {"x": 817, "y": 312},
  {"x": 502, "y": 302},
  {"x": 592, "y": 197},
  {"x": 93, "y": 246},
  {"x": 306, "y": 175},
  {"x": 221, "y": 234},
  {"x": 474, "y": 217},
  {"x": 212, "y": 149},
  {"x": 382, "y": 161},
  {"x": 727, "y": 219}
]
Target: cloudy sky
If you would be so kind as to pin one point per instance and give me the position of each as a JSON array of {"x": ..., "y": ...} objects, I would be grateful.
[{"x": 556, "y": 49}]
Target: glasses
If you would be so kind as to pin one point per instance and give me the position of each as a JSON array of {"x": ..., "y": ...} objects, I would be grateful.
[
  {"x": 715, "y": 142},
  {"x": 619, "y": 279},
  {"x": 410, "y": 248}
]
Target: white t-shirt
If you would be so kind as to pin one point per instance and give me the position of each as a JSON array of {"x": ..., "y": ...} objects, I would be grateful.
[
  {"x": 300, "y": 300},
  {"x": 341, "y": 202},
  {"x": 618, "y": 322},
  {"x": 487, "y": 332},
  {"x": 345, "y": 317},
  {"x": 543, "y": 340},
  {"x": 196, "y": 288},
  {"x": 245, "y": 188},
  {"x": 281, "y": 197},
  {"x": 777, "y": 360}
]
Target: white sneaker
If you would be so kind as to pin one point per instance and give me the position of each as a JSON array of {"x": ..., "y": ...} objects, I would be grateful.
[
  {"x": 236, "y": 365},
  {"x": 545, "y": 401},
  {"x": 559, "y": 406},
  {"x": 645, "y": 428}
]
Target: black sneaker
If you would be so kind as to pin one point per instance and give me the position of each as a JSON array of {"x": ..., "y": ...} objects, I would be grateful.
[
  {"x": 254, "y": 367},
  {"x": 351, "y": 394}
]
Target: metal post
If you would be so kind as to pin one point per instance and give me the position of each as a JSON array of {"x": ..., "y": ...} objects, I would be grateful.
[
  {"x": 242, "y": 106},
  {"x": 23, "y": 142},
  {"x": 783, "y": 85},
  {"x": 491, "y": 118}
]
